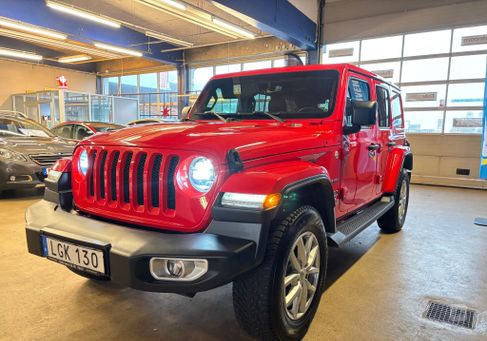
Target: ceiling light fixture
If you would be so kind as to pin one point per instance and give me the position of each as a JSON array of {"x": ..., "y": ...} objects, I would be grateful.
[
  {"x": 19, "y": 54},
  {"x": 123, "y": 50},
  {"x": 74, "y": 59},
  {"x": 175, "y": 4},
  {"x": 83, "y": 14},
  {"x": 234, "y": 28},
  {"x": 20, "y": 26},
  {"x": 243, "y": 17},
  {"x": 199, "y": 17},
  {"x": 165, "y": 38}
]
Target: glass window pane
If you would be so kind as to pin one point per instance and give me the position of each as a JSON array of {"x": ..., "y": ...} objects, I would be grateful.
[
  {"x": 463, "y": 122},
  {"x": 221, "y": 69},
  {"x": 168, "y": 81},
  {"x": 469, "y": 39},
  {"x": 424, "y": 96},
  {"x": 128, "y": 84},
  {"x": 423, "y": 121},
  {"x": 279, "y": 63},
  {"x": 342, "y": 53},
  {"x": 381, "y": 48},
  {"x": 263, "y": 64},
  {"x": 148, "y": 82},
  {"x": 199, "y": 77},
  {"x": 468, "y": 67},
  {"x": 419, "y": 44},
  {"x": 110, "y": 86},
  {"x": 466, "y": 95},
  {"x": 423, "y": 70},
  {"x": 390, "y": 71}
]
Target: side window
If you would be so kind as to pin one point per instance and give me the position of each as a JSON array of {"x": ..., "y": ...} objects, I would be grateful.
[
  {"x": 82, "y": 132},
  {"x": 358, "y": 90},
  {"x": 397, "y": 119},
  {"x": 65, "y": 131},
  {"x": 383, "y": 106}
]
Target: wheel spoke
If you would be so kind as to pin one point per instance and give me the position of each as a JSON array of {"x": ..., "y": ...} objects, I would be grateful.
[
  {"x": 293, "y": 294},
  {"x": 301, "y": 252},
  {"x": 309, "y": 245},
  {"x": 310, "y": 286},
  {"x": 313, "y": 270},
  {"x": 290, "y": 279},
  {"x": 303, "y": 299},
  {"x": 312, "y": 256}
]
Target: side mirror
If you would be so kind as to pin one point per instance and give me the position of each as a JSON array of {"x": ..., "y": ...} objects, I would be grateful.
[{"x": 363, "y": 114}]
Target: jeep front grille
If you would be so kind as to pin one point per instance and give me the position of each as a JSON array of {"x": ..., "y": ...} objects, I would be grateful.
[
  {"x": 47, "y": 160},
  {"x": 135, "y": 179}
]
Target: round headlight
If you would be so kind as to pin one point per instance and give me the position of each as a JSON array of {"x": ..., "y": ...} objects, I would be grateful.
[
  {"x": 83, "y": 162},
  {"x": 202, "y": 174}
]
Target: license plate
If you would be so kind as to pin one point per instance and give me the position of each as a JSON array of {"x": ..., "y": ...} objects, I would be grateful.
[{"x": 82, "y": 257}]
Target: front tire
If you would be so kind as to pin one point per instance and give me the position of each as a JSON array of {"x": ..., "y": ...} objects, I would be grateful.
[
  {"x": 278, "y": 300},
  {"x": 393, "y": 220}
]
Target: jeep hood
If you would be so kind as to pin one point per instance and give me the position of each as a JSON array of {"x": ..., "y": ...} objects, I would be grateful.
[{"x": 250, "y": 138}]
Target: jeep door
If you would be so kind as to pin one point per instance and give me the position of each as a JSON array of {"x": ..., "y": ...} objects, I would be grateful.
[
  {"x": 359, "y": 166},
  {"x": 384, "y": 133}
]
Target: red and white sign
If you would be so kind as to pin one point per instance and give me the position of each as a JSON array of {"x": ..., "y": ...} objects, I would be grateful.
[{"x": 62, "y": 82}]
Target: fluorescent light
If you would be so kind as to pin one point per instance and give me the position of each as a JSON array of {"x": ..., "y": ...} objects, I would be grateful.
[
  {"x": 17, "y": 25},
  {"x": 168, "y": 39},
  {"x": 19, "y": 54},
  {"x": 233, "y": 28},
  {"x": 74, "y": 59},
  {"x": 83, "y": 14},
  {"x": 175, "y": 4},
  {"x": 119, "y": 49}
]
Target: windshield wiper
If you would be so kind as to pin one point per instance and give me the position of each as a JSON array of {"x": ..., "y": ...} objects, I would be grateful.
[{"x": 277, "y": 118}]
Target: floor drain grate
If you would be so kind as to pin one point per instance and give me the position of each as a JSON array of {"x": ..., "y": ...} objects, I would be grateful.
[{"x": 449, "y": 314}]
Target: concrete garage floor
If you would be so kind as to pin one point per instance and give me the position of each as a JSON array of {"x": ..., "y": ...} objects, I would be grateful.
[{"x": 378, "y": 285}]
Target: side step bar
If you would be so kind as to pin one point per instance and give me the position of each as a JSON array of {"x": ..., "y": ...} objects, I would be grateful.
[{"x": 352, "y": 226}]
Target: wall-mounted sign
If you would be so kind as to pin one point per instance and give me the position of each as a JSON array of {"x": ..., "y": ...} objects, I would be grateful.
[
  {"x": 62, "y": 82},
  {"x": 340, "y": 52},
  {"x": 421, "y": 96},
  {"x": 474, "y": 40},
  {"x": 384, "y": 73},
  {"x": 467, "y": 122}
]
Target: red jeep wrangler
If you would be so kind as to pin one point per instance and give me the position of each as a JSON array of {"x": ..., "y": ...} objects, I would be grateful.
[{"x": 268, "y": 170}]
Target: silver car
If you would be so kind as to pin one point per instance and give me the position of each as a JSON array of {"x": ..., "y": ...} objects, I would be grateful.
[{"x": 27, "y": 150}]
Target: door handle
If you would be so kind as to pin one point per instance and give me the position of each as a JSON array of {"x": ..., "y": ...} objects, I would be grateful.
[
  {"x": 391, "y": 144},
  {"x": 373, "y": 146}
]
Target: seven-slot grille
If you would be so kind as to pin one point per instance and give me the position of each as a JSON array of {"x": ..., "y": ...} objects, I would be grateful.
[
  {"x": 132, "y": 179},
  {"x": 47, "y": 160}
]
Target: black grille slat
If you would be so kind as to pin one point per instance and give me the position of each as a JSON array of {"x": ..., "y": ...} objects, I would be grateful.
[
  {"x": 171, "y": 189},
  {"x": 452, "y": 315},
  {"x": 92, "y": 174},
  {"x": 113, "y": 176},
  {"x": 47, "y": 160},
  {"x": 101, "y": 175},
  {"x": 140, "y": 179},
  {"x": 126, "y": 178},
  {"x": 154, "y": 185}
]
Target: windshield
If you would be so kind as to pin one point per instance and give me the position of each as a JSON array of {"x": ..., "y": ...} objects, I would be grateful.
[
  {"x": 305, "y": 94},
  {"x": 103, "y": 127},
  {"x": 18, "y": 127}
]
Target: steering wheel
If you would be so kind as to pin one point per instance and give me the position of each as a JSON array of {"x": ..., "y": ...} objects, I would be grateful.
[{"x": 309, "y": 108}]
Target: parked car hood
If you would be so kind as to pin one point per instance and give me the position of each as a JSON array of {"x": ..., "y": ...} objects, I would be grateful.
[
  {"x": 37, "y": 145},
  {"x": 252, "y": 139}
]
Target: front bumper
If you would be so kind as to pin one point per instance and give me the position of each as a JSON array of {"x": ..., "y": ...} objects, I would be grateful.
[
  {"x": 17, "y": 175},
  {"x": 130, "y": 249}
]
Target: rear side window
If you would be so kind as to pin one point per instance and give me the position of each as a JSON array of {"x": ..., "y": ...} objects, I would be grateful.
[
  {"x": 64, "y": 131},
  {"x": 383, "y": 106},
  {"x": 397, "y": 120},
  {"x": 358, "y": 90}
]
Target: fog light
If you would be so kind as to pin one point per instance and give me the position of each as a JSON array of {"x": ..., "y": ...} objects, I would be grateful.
[
  {"x": 177, "y": 269},
  {"x": 12, "y": 178}
]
